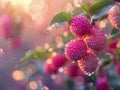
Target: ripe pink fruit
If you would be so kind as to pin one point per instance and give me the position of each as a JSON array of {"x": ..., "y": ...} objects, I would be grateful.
[
  {"x": 59, "y": 60},
  {"x": 89, "y": 63},
  {"x": 72, "y": 70},
  {"x": 113, "y": 44},
  {"x": 114, "y": 16},
  {"x": 17, "y": 42},
  {"x": 80, "y": 26},
  {"x": 117, "y": 69},
  {"x": 97, "y": 40},
  {"x": 49, "y": 67},
  {"x": 102, "y": 84},
  {"x": 116, "y": 0},
  {"x": 7, "y": 26},
  {"x": 75, "y": 49}
]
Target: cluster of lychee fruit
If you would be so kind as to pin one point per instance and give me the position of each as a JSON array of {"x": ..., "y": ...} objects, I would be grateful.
[
  {"x": 88, "y": 40},
  {"x": 53, "y": 64},
  {"x": 80, "y": 58}
]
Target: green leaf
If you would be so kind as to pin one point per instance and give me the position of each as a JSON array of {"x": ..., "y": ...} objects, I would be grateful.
[
  {"x": 34, "y": 54},
  {"x": 100, "y": 8},
  {"x": 78, "y": 11},
  {"x": 84, "y": 7},
  {"x": 60, "y": 19},
  {"x": 75, "y": 11},
  {"x": 118, "y": 52},
  {"x": 106, "y": 61},
  {"x": 114, "y": 31},
  {"x": 113, "y": 36}
]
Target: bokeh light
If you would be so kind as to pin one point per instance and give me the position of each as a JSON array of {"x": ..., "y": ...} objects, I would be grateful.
[
  {"x": 33, "y": 85},
  {"x": 58, "y": 39},
  {"x": 18, "y": 75},
  {"x": 102, "y": 24},
  {"x": 46, "y": 46},
  {"x": 50, "y": 50},
  {"x": 54, "y": 53},
  {"x": 65, "y": 34},
  {"x": 68, "y": 6}
]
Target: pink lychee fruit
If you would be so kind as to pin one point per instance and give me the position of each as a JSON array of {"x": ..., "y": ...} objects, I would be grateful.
[
  {"x": 116, "y": 0},
  {"x": 7, "y": 25},
  {"x": 102, "y": 84},
  {"x": 72, "y": 70},
  {"x": 89, "y": 63},
  {"x": 114, "y": 16},
  {"x": 49, "y": 67},
  {"x": 17, "y": 42},
  {"x": 75, "y": 49},
  {"x": 113, "y": 44},
  {"x": 97, "y": 39},
  {"x": 59, "y": 60},
  {"x": 80, "y": 26}
]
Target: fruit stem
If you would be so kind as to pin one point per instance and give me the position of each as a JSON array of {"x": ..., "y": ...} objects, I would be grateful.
[{"x": 92, "y": 23}]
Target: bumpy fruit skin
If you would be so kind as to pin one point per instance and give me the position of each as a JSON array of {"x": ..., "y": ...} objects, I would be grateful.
[
  {"x": 102, "y": 84},
  {"x": 116, "y": 0},
  {"x": 59, "y": 60},
  {"x": 7, "y": 26},
  {"x": 89, "y": 63},
  {"x": 97, "y": 40},
  {"x": 80, "y": 26},
  {"x": 72, "y": 70},
  {"x": 114, "y": 16},
  {"x": 49, "y": 67},
  {"x": 75, "y": 49},
  {"x": 117, "y": 69}
]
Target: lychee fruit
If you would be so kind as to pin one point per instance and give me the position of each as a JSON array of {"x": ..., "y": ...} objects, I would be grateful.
[
  {"x": 49, "y": 67},
  {"x": 113, "y": 44},
  {"x": 75, "y": 49},
  {"x": 72, "y": 70},
  {"x": 59, "y": 60},
  {"x": 102, "y": 83},
  {"x": 80, "y": 26},
  {"x": 7, "y": 26},
  {"x": 89, "y": 63},
  {"x": 117, "y": 69},
  {"x": 97, "y": 40},
  {"x": 116, "y": 0},
  {"x": 17, "y": 42},
  {"x": 114, "y": 16}
]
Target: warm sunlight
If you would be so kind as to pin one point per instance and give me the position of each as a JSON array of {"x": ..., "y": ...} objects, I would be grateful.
[
  {"x": 23, "y": 3},
  {"x": 59, "y": 44}
]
